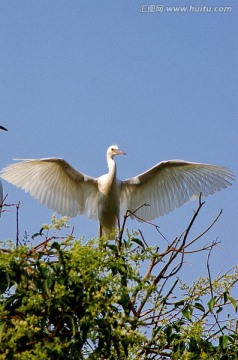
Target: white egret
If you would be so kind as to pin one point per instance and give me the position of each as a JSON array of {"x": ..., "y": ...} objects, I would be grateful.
[
  {"x": 1, "y": 188},
  {"x": 164, "y": 187}
]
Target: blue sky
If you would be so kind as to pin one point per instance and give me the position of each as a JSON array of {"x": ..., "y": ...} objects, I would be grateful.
[{"x": 78, "y": 76}]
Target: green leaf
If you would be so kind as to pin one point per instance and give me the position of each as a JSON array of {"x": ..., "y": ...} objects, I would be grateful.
[
  {"x": 169, "y": 331},
  {"x": 179, "y": 303},
  {"x": 181, "y": 346},
  {"x": 37, "y": 234},
  {"x": 2, "y": 326},
  {"x": 233, "y": 302},
  {"x": 225, "y": 295},
  {"x": 56, "y": 267},
  {"x": 115, "y": 269},
  {"x": 199, "y": 306},
  {"x": 112, "y": 247},
  {"x": 138, "y": 242},
  {"x": 46, "y": 285},
  {"x": 193, "y": 345},
  {"x": 4, "y": 281},
  {"x": 211, "y": 303},
  {"x": 187, "y": 312},
  {"x": 223, "y": 341},
  {"x": 55, "y": 245},
  {"x": 220, "y": 308},
  {"x": 125, "y": 301}
]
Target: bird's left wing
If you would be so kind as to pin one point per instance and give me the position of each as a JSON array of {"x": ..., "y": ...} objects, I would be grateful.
[
  {"x": 170, "y": 184},
  {"x": 55, "y": 184}
]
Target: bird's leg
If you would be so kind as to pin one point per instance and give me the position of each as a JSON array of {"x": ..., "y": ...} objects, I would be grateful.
[
  {"x": 100, "y": 231},
  {"x": 119, "y": 231},
  {"x": 118, "y": 224}
]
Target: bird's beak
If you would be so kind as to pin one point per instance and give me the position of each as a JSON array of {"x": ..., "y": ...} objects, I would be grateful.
[
  {"x": 119, "y": 152},
  {"x": 3, "y": 128}
]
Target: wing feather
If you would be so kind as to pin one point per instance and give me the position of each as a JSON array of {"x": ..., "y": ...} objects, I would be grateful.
[
  {"x": 170, "y": 184},
  {"x": 55, "y": 184}
]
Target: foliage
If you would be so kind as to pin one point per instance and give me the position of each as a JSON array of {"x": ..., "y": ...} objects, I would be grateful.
[{"x": 122, "y": 299}]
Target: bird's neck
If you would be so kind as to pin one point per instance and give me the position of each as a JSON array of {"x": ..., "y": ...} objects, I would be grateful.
[
  {"x": 107, "y": 182},
  {"x": 112, "y": 170}
]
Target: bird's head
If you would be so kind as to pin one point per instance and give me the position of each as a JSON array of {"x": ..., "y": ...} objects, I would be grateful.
[
  {"x": 3, "y": 128},
  {"x": 113, "y": 150}
]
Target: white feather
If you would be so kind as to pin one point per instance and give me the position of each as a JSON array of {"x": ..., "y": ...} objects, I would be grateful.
[{"x": 170, "y": 184}]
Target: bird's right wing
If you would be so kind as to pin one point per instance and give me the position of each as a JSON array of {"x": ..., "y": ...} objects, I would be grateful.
[
  {"x": 55, "y": 184},
  {"x": 170, "y": 184}
]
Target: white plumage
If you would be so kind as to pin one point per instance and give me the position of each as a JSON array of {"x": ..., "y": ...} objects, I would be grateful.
[{"x": 164, "y": 187}]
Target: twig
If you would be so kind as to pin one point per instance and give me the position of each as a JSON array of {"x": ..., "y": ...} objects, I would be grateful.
[
  {"x": 143, "y": 239},
  {"x": 193, "y": 219},
  {"x": 17, "y": 220},
  {"x": 211, "y": 290},
  {"x": 133, "y": 213},
  {"x": 209, "y": 273},
  {"x": 205, "y": 231},
  {"x": 43, "y": 244}
]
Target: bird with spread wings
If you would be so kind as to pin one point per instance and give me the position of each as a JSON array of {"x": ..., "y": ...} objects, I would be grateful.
[{"x": 164, "y": 187}]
